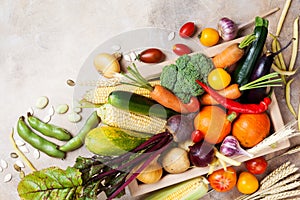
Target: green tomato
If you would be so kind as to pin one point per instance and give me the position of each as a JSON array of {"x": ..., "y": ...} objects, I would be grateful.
[{"x": 219, "y": 79}]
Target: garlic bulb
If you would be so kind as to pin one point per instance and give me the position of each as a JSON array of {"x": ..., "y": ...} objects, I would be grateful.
[{"x": 227, "y": 29}]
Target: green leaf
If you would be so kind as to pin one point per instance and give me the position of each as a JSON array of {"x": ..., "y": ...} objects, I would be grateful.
[{"x": 51, "y": 183}]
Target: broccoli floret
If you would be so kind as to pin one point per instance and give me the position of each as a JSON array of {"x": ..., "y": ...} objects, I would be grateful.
[{"x": 187, "y": 70}]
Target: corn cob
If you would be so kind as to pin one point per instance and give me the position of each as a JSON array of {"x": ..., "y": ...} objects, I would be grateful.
[
  {"x": 116, "y": 117},
  {"x": 99, "y": 95},
  {"x": 188, "y": 190}
]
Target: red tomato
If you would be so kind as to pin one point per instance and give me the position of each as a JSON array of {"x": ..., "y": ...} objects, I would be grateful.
[
  {"x": 181, "y": 49},
  {"x": 223, "y": 181},
  {"x": 197, "y": 136},
  {"x": 257, "y": 165},
  {"x": 151, "y": 55},
  {"x": 187, "y": 30}
]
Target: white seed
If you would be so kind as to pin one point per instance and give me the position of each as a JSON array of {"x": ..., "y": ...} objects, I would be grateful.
[
  {"x": 74, "y": 117},
  {"x": 20, "y": 143},
  {"x": 116, "y": 47},
  {"x": 41, "y": 102},
  {"x": 51, "y": 111},
  {"x": 127, "y": 58},
  {"x": 133, "y": 56},
  {"x": 24, "y": 149},
  {"x": 20, "y": 163},
  {"x": 1, "y": 169},
  {"x": 77, "y": 110},
  {"x": 61, "y": 109},
  {"x": 4, "y": 164},
  {"x": 47, "y": 118},
  {"x": 7, "y": 178},
  {"x": 36, "y": 154},
  {"x": 30, "y": 110},
  {"x": 171, "y": 36}
]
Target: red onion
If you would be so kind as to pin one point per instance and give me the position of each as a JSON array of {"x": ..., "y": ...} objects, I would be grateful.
[
  {"x": 227, "y": 29},
  {"x": 201, "y": 154}
]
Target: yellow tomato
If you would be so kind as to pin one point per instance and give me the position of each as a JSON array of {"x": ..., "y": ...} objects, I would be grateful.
[
  {"x": 218, "y": 79},
  {"x": 209, "y": 37},
  {"x": 247, "y": 183}
]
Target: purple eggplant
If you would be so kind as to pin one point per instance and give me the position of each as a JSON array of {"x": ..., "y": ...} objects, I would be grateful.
[{"x": 262, "y": 67}]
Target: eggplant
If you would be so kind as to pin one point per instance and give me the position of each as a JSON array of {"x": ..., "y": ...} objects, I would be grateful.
[{"x": 262, "y": 67}]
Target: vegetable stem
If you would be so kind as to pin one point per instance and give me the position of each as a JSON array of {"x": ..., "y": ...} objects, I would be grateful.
[
  {"x": 247, "y": 41},
  {"x": 262, "y": 82}
]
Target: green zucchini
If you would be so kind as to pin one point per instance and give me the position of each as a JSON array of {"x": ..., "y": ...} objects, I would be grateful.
[
  {"x": 112, "y": 141},
  {"x": 138, "y": 104},
  {"x": 244, "y": 69}
]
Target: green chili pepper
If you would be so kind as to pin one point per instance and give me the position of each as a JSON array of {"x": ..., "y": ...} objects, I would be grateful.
[
  {"x": 49, "y": 130},
  {"x": 78, "y": 140},
  {"x": 37, "y": 141}
]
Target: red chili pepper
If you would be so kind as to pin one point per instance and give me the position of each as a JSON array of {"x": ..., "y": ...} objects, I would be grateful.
[{"x": 236, "y": 106}]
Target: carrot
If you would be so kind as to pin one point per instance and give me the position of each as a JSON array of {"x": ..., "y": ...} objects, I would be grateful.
[
  {"x": 231, "y": 92},
  {"x": 161, "y": 94},
  {"x": 233, "y": 53}
]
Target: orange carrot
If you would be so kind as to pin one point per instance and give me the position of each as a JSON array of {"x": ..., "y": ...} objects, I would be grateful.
[
  {"x": 231, "y": 92},
  {"x": 229, "y": 56},
  {"x": 233, "y": 53},
  {"x": 161, "y": 94}
]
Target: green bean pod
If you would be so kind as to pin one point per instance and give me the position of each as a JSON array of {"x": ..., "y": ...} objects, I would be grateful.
[
  {"x": 49, "y": 130},
  {"x": 78, "y": 140},
  {"x": 37, "y": 141}
]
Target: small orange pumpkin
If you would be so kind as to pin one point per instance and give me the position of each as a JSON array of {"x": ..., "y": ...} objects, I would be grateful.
[
  {"x": 213, "y": 123},
  {"x": 251, "y": 129}
]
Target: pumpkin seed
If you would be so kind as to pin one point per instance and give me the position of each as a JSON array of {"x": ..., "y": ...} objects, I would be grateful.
[
  {"x": 7, "y": 178},
  {"x": 17, "y": 168},
  {"x": 20, "y": 163},
  {"x": 20, "y": 143},
  {"x": 62, "y": 108},
  {"x": 171, "y": 36},
  {"x": 36, "y": 154},
  {"x": 77, "y": 110},
  {"x": 74, "y": 117},
  {"x": 51, "y": 111},
  {"x": 4, "y": 164},
  {"x": 70, "y": 82},
  {"x": 42, "y": 102},
  {"x": 14, "y": 155},
  {"x": 47, "y": 118},
  {"x": 24, "y": 149},
  {"x": 22, "y": 174},
  {"x": 1, "y": 169}
]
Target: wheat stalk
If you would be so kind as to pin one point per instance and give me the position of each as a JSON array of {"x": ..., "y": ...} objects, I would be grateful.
[
  {"x": 276, "y": 171},
  {"x": 282, "y": 195},
  {"x": 278, "y": 176},
  {"x": 285, "y": 132},
  {"x": 283, "y": 188}
]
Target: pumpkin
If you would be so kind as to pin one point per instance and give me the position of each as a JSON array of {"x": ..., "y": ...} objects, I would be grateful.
[
  {"x": 251, "y": 129},
  {"x": 213, "y": 123}
]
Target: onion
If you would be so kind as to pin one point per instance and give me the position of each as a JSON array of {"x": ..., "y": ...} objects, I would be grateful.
[
  {"x": 231, "y": 146},
  {"x": 227, "y": 29},
  {"x": 107, "y": 64},
  {"x": 201, "y": 154}
]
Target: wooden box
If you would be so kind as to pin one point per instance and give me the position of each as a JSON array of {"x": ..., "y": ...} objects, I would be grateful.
[{"x": 137, "y": 189}]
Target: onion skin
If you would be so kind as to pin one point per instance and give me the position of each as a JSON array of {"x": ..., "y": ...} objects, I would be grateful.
[
  {"x": 106, "y": 64},
  {"x": 227, "y": 29},
  {"x": 201, "y": 154}
]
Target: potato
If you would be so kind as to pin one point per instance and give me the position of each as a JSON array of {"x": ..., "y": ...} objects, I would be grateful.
[{"x": 176, "y": 161}]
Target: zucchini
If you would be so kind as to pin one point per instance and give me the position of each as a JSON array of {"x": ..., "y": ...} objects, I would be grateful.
[
  {"x": 112, "y": 141},
  {"x": 244, "y": 69},
  {"x": 138, "y": 104}
]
